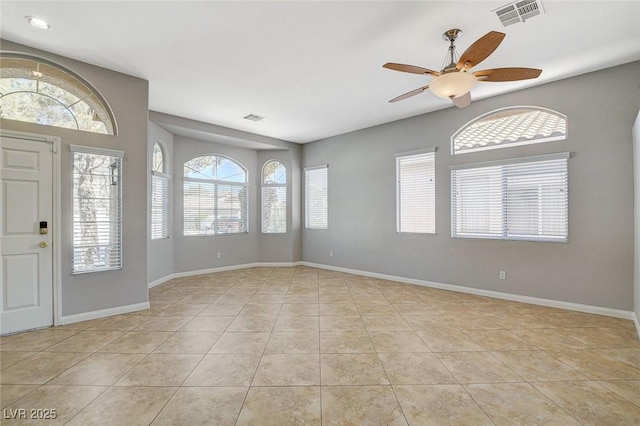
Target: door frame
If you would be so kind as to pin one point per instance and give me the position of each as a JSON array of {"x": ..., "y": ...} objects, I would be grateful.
[{"x": 55, "y": 143}]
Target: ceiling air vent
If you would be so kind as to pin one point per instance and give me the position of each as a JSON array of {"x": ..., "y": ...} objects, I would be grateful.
[{"x": 518, "y": 11}]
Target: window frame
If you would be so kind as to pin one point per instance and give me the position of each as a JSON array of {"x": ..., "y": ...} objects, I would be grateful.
[
  {"x": 426, "y": 155},
  {"x": 264, "y": 186},
  {"x": 307, "y": 198},
  {"x": 115, "y": 175},
  {"x": 163, "y": 178},
  {"x": 503, "y": 194},
  {"x": 216, "y": 184}
]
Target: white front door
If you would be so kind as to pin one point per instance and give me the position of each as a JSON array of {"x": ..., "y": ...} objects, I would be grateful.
[{"x": 26, "y": 269}]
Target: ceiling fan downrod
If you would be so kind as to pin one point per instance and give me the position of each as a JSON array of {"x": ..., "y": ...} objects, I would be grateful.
[{"x": 451, "y": 36}]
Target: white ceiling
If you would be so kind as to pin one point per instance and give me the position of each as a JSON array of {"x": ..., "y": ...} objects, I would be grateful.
[{"x": 314, "y": 69}]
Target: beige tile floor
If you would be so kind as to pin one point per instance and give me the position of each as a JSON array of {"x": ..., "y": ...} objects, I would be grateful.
[{"x": 277, "y": 346}]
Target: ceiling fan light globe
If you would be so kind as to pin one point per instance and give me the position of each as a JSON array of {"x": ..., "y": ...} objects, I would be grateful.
[{"x": 452, "y": 85}]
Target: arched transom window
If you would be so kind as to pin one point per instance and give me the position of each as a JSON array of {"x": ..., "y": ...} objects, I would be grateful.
[
  {"x": 215, "y": 196},
  {"x": 509, "y": 127},
  {"x": 41, "y": 92},
  {"x": 274, "y": 198}
]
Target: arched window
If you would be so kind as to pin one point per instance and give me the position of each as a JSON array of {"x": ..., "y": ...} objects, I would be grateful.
[
  {"x": 157, "y": 159},
  {"x": 509, "y": 127},
  {"x": 274, "y": 198},
  {"x": 215, "y": 196},
  {"x": 38, "y": 91},
  {"x": 159, "y": 194}
]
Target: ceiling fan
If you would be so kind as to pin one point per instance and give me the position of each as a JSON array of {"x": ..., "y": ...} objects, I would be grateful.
[{"x": 455, "y": 81}]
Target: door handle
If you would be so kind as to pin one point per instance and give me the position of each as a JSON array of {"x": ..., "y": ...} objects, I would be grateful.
[{"x": 43, "y": 244}]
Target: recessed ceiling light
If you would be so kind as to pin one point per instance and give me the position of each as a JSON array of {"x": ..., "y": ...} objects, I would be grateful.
[{"x": 37, "y": 22}]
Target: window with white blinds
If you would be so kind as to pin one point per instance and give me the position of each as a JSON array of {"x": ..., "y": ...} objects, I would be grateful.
[
  {"x": 159, "y": 195},
  {"x": 97, "y": 209},
  {"x": 215, "y": 196},
  {"x": 316, "y": 207},
  {"x": 521, "y": 199},
  {"x": 415, "y": 192},
  {"x": 274, "y": 198}
]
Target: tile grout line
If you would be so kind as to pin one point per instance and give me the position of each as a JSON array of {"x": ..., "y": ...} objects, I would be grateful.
[
  {"x": 377, "y": 354},
  {"x": 552, "y": 401},
  {"x": 257, "y": 366},
  {"x": 319, "y": 357},
  {"x": 248, "y": 387},
  {"x": 464, "y": 387}
]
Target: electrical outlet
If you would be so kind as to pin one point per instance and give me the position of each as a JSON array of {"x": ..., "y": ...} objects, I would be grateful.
[
  {"x": 503, "y": 275},
  {"x": 330, "y": 253},
  {"x": 218, "y": 255}
]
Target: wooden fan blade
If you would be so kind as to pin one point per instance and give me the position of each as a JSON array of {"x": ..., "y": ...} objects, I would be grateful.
[
  {"x": 410, "y": 68},
  {"x": 480, "y": 50},
  {"x": 507, "y": 74},
  {"x": 410, "y": 94},
  {"x": 462, "y": 100}
]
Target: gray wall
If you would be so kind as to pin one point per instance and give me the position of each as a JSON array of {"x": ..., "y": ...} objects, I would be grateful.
[
  {"x": 595, "y": 267},
  {"x": 128, "y": 97},
  {"x": 160, "y": 252},
  {"x": 636, "y": 178}
]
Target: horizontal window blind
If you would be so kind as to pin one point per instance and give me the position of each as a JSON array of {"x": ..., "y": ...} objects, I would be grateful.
[
  {"x": 231, "y": 209},
  {"x": 199, "y": 208},
  {"x": 415, "y": 193},
  {"x": 97, "y": 210},
  {"x": 520, "y": 200},
  {"x": 316, "y": 197},
  {"x": 274, "y": 209},
  {"x": 159, "y": 206},
  {"x": 215, "y": 199},
  {"x": 212, "y": 208}
]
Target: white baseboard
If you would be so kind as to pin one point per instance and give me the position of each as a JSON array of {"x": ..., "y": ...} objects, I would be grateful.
[
  {"x": 277, "y": 264},
  {"x": 222, "y": 269},
  {"x": 617, "y": 313},
  {"x": 636, "y": 321},
  {"x": 160, "y": 280},
  {"x": 101, "y": 313}
]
